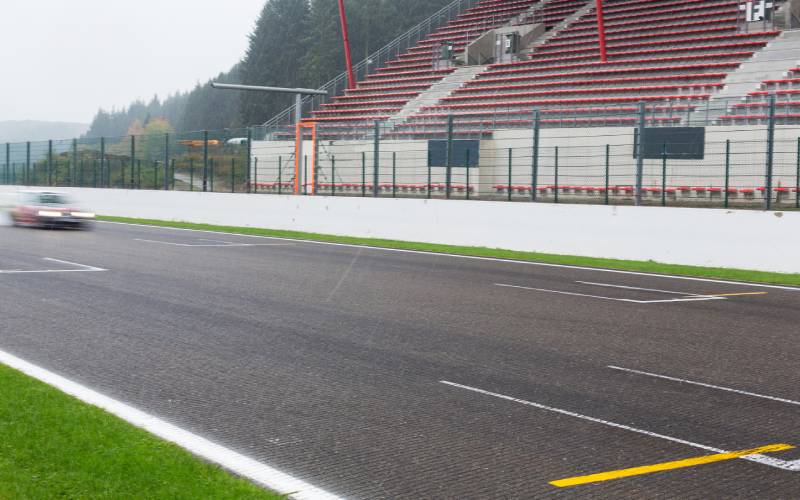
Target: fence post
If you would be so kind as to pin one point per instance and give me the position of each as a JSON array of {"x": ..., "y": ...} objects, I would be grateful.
[
  {"x": 172, "y": 177},
  {"x": 305, "y": 174},
  {"x": 664, "y": 175},
  {"x": 333, "y": 175},
  {"x": 535, "y": 155},
  {"x": 248, "y": 174},
  {"x": 449, "y": 164},
  {"x": 555, "y": 163},
  {"x": 233, "y": 175},
  {"x": 155, "y": 175},
  {"x": 74, "y": 165},
  {"x": 211, "y": 174},
  {"x": 770, "y": 153},
  {"x": 376, "y": 152},
  {"x": 8, "y": 161},
  {"x": 191, "y": 174},
  {"x": 510, "y": 173},
  {"x": 94, "y": 173},
  {"x": 205, "y": 161},
  {"x": 467, "y": 169},
  {"x": 138, "y": 174},
  {"x": 430, "y": 159},
  {"x": 280, "y": 175},
  {"x": 608, "y": 171},
  {"x": 363, "y": 174},
  {"x": 394, "y": 174},
  {"x": 640, "y": 155},
  {"x": 166, "y": 163},
  {"x": 728, "y": 170},
  {"x": 797, "y": 178},
  {"x": 29, "y": 177},
  {"x": 133, "y": 161},
  {"x": 50, "y": 163}
]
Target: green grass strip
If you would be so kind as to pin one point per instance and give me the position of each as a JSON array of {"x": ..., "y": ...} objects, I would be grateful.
[
  {"x": 625, "y": 265},
  {"x": 54, "y": 446}
]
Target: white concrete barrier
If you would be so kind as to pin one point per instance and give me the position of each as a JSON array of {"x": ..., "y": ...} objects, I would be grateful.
[{"x": 744, "y": 239}]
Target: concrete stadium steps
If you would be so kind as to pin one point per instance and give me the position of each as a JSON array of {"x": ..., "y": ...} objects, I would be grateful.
[{"x": 754, "y": 110}]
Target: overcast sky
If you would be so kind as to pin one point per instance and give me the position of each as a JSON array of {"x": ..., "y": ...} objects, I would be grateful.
[{"x": 63, "y": 59}]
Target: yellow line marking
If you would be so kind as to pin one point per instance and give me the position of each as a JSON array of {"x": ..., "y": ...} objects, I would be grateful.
[
  {"x": 679, "y": 464},
  {"x": 735, "y": 294}
]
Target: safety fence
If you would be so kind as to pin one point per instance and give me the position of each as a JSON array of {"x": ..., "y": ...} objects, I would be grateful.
[
  {"x": 723, "y": 160},
  {"x": 202, "y": 161}
]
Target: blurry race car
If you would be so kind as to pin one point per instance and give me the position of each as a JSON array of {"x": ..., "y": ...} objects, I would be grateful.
[{"x": 49, "y": 209}]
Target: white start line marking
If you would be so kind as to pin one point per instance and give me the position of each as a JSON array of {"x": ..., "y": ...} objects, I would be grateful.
[
  {"x": 792, "y": 466},
  {"x": 79, "y": 268}
]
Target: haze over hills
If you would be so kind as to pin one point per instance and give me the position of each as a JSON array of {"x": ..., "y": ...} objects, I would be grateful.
[{"x": 32, "y": 130}]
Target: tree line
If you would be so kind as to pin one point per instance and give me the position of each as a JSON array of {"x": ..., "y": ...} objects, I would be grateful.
[{"x": 295, "y": 43}]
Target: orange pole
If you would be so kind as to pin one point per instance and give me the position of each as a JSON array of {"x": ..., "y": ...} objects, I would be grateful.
[
  {"x": 601, "y": 31},
  {"x": 298, "y": 137}
]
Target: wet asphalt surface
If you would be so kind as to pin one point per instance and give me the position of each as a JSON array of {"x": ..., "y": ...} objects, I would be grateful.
[{"x": 328, "y": 361}]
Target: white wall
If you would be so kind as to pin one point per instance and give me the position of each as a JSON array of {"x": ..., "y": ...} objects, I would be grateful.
[{"x": 744, "y": 239}]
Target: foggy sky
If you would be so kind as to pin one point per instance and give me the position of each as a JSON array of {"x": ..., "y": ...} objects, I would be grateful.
[{"x": 63, "y": 59}]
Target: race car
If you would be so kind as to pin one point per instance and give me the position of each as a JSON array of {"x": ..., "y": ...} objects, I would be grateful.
[{"x": 47, "y": 209}]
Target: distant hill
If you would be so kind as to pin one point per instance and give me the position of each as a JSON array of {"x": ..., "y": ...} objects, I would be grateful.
[{"x": 31, "y": 130}]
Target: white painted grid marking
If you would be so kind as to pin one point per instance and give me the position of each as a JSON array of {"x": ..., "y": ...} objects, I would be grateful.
[
  {"x": 625, "y": 287},
  {"x": 792, "y": 466},
  {"x": 214, "y": 245},
  {"x": 200, "y": 446},
  {"x": 702, "y": 384},
  {"x": 82, "y": 268},
  {"x": 473, "y": 257},
  {"x": 690, "y": 298}
]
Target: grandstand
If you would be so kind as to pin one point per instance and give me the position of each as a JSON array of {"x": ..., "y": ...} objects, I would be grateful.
[
  {"x": 676, "y": 55},
  {"x": 669, "y": 64}
]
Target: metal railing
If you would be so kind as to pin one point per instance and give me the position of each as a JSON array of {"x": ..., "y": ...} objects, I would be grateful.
[{"x": 376, "y": 60}]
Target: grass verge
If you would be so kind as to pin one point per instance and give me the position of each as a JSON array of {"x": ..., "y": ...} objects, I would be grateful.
[
  {"x": 626, "y": 265},
  {"x": 55, "y": 446}
]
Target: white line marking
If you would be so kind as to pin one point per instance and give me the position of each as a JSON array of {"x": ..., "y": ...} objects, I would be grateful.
[
  {"x": 701, "y": 384},
  {"x": 83, "y": 268},
  {"x": 88, "y": 268},
  {"x": 609, "y": 285},
  {"x": 560, "y": 292},
  {"x": 474, "y": 257},
  {"x": 216, "y": 245},
  {"x": 698, "y": 298},
  {"x": 761, "y": 459},
  {"x": 202, "y": 447}
]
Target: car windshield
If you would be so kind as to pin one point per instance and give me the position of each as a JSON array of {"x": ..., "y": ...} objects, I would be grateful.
[{"x": 51, "y": 199}]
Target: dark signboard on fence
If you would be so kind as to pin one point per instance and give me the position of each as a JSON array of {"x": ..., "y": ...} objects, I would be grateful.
[
  {"x": 681, "y": 143},
  {"x": 465, "y": 153}
]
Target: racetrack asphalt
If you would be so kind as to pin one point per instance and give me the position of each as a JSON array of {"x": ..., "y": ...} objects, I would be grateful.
[{"x": 329, "y": 361}]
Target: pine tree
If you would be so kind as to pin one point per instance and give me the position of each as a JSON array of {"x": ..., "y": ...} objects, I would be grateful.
[{"x": 276, "y": 47}]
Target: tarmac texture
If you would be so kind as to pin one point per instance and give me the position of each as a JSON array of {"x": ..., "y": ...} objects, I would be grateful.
[{"x": 388, "y": 374}]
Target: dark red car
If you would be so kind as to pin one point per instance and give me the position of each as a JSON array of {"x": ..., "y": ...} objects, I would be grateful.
[{"x": 50, "y": 210}]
